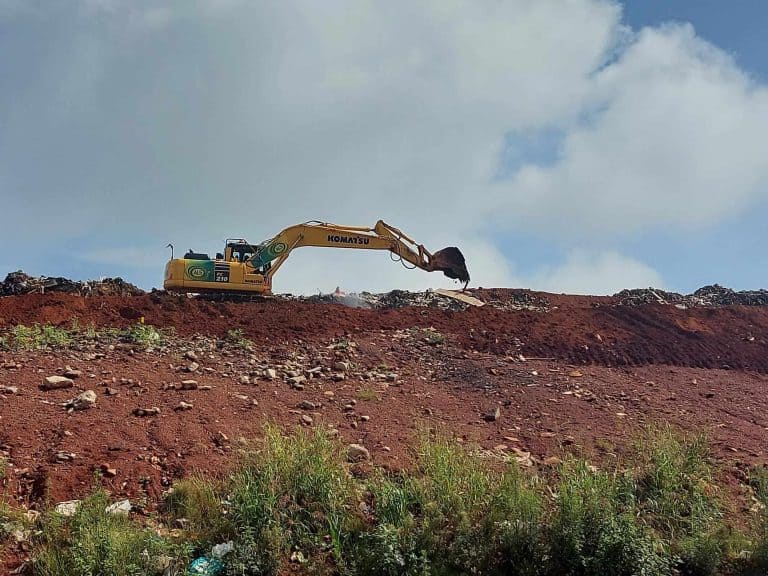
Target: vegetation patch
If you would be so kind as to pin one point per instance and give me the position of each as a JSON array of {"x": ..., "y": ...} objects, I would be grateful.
[
  {"x": 296, "y": 506},
  {"x": 35, "y": 337}
]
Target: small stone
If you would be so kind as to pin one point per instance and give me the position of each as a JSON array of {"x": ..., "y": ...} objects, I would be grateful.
[
  {"x": 392, "y": 377},
  {"x": 154, "y": 411},
  {"x": 62, "y": 456},
  {"x": 365, "y": 418},
  {"x": 307, "y": 405},
  {"x": 306, "y": 419},
  {"x": 108, "y": 471},
  {"x": 56, "y": 383},
  {"x": 184, "y": 406},
  {"x": 189, "y": 385},
  {"x": 71, "y": 373},
  {"x": 552, "y": 461},
  {"x": 122, "y": 508},
  {"x": 8, "y": 390},
  {"x": 190, "y": 355},
  {"x": 270, "y": 374},
  {"x": 192, "y": 367},
  {"x": 341, "y": 366},
  {"x": 575, "y": 374},
  {"x": 68, "y": 508},
  {"x": 221, "y": 439},
  {"x": 111, "y": 392},
  {"x": 547, "y": 434},
  {"x": 82, "y": 401},
  {"x": 329, "y": 394},
  {"x": 357, "y": 453},
  {"x": 297, "y": 382},
  {"x": 245, "y": 379},
  {"x": 492, "y": 415}
]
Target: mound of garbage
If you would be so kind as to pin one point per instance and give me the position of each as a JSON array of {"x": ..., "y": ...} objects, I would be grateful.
[
  {"x": 713, "y": 295},
  {"x": 18, "y": 283}
]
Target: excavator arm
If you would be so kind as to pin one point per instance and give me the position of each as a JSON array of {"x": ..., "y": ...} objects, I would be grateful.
[{"x": 270, "y": 255}]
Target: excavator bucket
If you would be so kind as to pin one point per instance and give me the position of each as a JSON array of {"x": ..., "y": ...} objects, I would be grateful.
[{"x": 450, "y": 261}]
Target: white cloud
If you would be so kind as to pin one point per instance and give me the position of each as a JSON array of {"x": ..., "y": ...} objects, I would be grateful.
[
  {"x": 677, "y": 141},
  {"x": 193, "y": 121},
  {"x": 596, "y": 273}
]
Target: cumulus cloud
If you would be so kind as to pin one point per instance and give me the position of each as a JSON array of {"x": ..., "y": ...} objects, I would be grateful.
[
  {"x": 596, "y": 273},
  {"x": 674, "y": 141},
  {"x": 148, "y": 122}
]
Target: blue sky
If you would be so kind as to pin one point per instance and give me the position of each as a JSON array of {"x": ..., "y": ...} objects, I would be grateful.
[
  {"x": 732, "y": 253},
  {"x": 581, "y": 147}
]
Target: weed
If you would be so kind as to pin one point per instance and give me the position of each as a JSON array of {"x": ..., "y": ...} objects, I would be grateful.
[
  {"x": 144, "y": 335},
  {"x": 458, "y": 516},
  {"x": 36, "y": 337},
  {"x": 296, "y": 486},
  {"x": 677, "y": 497},
  {"x": 197, "y": 501},
  {"x": 595, "y": 530},
  {"x": 428, "y": 335},
  {"x": 368, "y": 394},
  {"x": 95, "y": 542},
  {"x": 757, "y": 563},
  {"x": 237, "y": 339}
]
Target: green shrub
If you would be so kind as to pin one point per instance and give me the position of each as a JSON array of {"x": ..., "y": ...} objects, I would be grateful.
[
  {"x": 144, "y": 335},
  {"x": 676, "y": 495},
  {"x": 35, "y": 337},
  {"x": 93, "y": 542},
  {"x": 238, "y": 339},
  {"x": 458, "y": 515},
  {"x": 757, "y": 563},
  {"x": 196, "y": 501},
  {"x": 296, "y": 486},
  {"x": 594, "y": 530}
]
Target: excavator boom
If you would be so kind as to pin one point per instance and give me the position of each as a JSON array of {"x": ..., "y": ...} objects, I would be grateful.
[{"x": 244, "y": 268}]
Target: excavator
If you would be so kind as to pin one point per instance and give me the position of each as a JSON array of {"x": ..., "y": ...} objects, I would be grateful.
[{"x": 244, "y": 269}]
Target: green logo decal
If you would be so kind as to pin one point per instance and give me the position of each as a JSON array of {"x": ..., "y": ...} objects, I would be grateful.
[{"x": 200, "y": 271}]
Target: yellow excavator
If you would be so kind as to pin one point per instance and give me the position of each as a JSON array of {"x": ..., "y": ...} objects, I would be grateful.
[{"x": 245, "y": 269}]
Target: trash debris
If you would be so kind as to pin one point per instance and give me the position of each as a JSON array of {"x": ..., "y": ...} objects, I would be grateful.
[
  {"x": 204, "y": 566},
  {"x": 211, "y": 566},
  {"x": 18, "y": 282},
  {"x": 713, "y": 295},
  {"x": 221, "y": 550}
]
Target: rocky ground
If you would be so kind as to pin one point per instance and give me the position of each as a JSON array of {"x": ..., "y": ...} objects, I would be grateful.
[
  {"x": 579, "y": 374},
  {"x": 535, "y": 376}
]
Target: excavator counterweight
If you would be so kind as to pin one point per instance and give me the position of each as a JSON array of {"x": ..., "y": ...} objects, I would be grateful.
[{"x": 244, "y": 268}]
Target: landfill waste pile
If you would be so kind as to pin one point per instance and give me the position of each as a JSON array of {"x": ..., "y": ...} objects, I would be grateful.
[
  {"x": 426, "y": 299},
  {"x": 393, "y": 299},
  {"x": 714, "y": 295},
  {"x": 18, "y": 283}
]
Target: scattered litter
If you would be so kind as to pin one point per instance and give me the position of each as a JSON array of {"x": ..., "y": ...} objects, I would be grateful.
[
  {"x": 18, "y": 282},
  {"x": 713, "y": 295}
]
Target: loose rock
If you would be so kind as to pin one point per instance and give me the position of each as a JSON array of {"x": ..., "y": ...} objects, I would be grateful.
[
  {"x": 82, "y": 401},
  {"x": 357, "y": 453},
  {"x": 56, "y": 383}
]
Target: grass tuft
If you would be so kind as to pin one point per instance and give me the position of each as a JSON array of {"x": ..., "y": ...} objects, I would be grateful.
[
  {"x": 94, "y": 542},
  {"x": 36, "y": 337}
]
